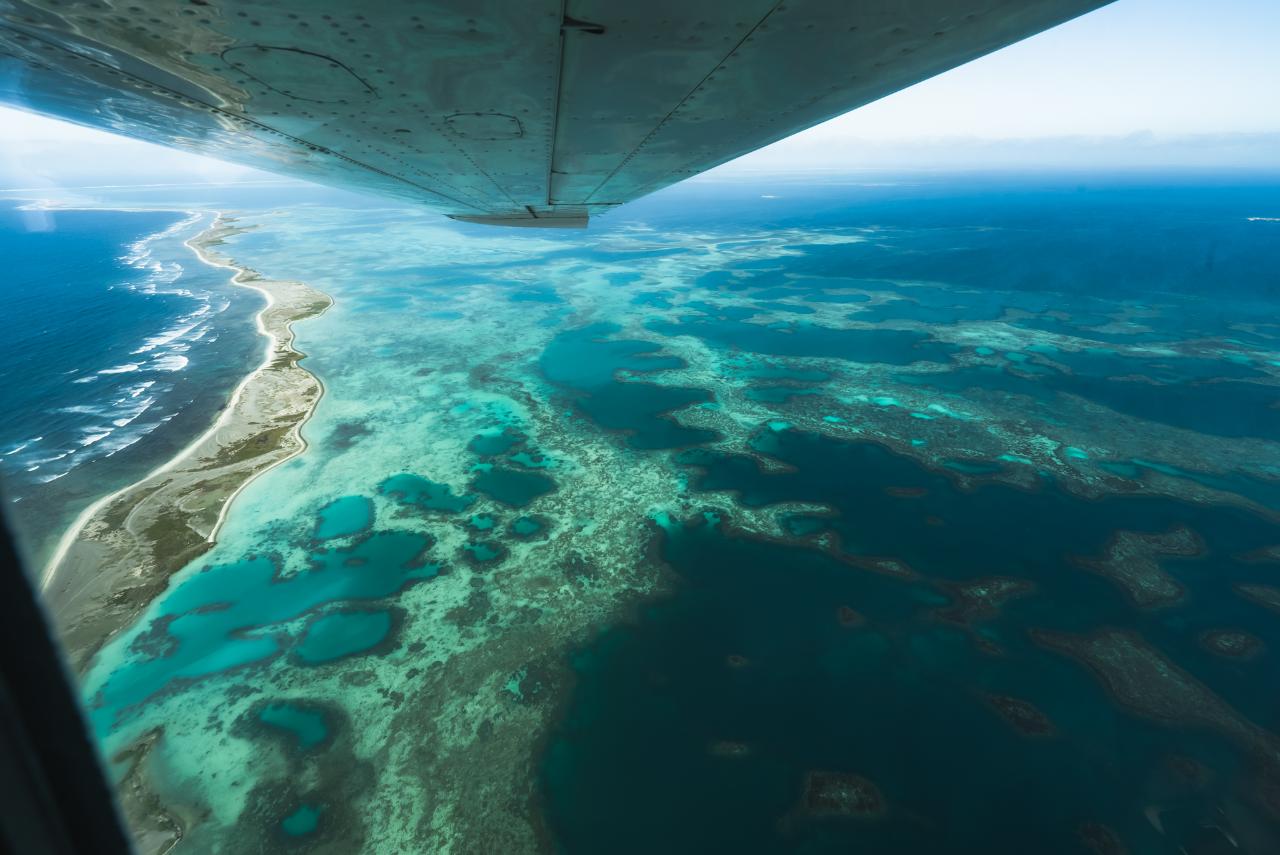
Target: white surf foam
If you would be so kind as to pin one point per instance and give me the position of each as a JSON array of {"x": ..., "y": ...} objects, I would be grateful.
[
  {"x": 170, "y": 362},
  {"x": 121, "y": 369}
]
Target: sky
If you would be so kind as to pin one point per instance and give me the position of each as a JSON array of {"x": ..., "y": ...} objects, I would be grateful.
[
  {"x": 1137, "y": 83},
  {"x": 1160, "y": 66}
]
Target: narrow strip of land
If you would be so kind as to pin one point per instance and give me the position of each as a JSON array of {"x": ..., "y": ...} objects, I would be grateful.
[{"x": 120, "y": 552}]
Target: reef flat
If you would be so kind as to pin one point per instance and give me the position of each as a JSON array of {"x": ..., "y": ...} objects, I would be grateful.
[
  {"x": 759, "y": 532},
  {"x": 122, "y": 550}
]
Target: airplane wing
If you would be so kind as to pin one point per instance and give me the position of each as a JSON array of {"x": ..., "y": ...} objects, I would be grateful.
[{"x": 514, "y": 112}]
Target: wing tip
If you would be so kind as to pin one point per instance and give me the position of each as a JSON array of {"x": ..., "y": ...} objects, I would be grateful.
[{"x": 567, "y": 221}]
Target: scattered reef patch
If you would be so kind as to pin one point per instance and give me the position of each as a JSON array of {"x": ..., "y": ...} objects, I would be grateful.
[
  {"x": 840, "y": 795},
  {"x": 1021, "y": 715},
  {"x": 1133, "y": 561},
  {"x": 1231, "y": 643}
]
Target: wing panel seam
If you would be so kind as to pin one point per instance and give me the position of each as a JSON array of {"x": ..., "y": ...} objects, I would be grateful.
[{"x": 682, "y": 102}]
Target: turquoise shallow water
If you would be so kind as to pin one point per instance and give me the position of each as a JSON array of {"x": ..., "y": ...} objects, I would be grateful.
[
  {"x": 333, "y": 636},
  {"x": 585, "y": 362},
  {"x": 306, "y": 726},
  {"x": 931, "y": 518},
  {"x": 302, "y": 822},
  {"x": 208, "y": 622},
  {"x": 344, "y": 517}
]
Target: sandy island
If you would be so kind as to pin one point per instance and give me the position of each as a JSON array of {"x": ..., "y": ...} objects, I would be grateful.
[{"x": 120, "y": 552}]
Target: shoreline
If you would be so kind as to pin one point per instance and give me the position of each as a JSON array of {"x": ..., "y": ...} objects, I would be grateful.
[
  {"x": 119, "y": 553},
  {"x": 53, "y": 500}
]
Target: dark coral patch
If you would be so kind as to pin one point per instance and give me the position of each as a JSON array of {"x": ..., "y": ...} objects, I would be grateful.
[
  {"x": 347, "y": 434},
  {"x": 729, "y": 748},
  {"x": 311, "y": 808},
  {"x": 155, "y": 641},
  {"x": 475, "y": 609},
  {"x": 1231, "y": 643},
  {"x": 1021, "y": 715},
  {"x": 1267, "y": 596},
  {"x": 841, "y": 794},
  {"x": 803, "y": 525},
  {"x": 982, "y": 599},
  {"x": 1188, "y": 771},
  {"x": 1133, "y": 560},
  {"x": 849, "y": 618},
  {"x": 1101, "y": 839}
]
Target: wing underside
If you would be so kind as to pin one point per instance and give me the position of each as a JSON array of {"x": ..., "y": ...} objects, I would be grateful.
[{"x": 515, "y": 112}]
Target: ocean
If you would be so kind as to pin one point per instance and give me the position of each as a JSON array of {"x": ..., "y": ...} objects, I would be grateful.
[
  {"x": 117, "y": 347},
  {"x": 878, "y": 513}
]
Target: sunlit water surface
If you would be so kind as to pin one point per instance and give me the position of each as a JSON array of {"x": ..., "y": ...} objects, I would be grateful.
[{"x": 939, "y": 516}]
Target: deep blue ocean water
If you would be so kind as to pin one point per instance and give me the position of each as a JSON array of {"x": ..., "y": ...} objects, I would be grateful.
[
  {"x": 900, "y": 697},
  {"x": 117, "y": 346},
  {"x": 700, "y": 726}
]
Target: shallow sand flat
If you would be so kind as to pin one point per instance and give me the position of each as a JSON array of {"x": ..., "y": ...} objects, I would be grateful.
[{"x": 121, "y": 551}]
